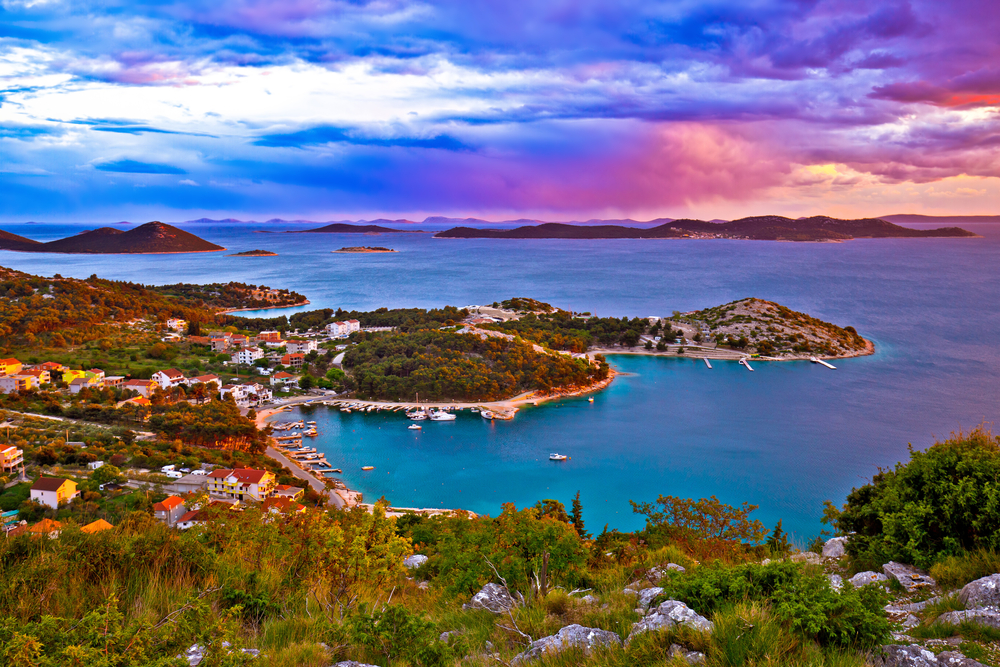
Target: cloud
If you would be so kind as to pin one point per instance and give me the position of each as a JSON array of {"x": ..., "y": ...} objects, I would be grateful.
[
  {"x": 135, "y": 167},
  {"x": 315, "y": 136}
]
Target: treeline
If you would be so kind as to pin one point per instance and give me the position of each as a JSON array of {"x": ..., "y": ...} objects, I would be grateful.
[
  {"x": 447, "y": 366},
  {"x": 561, "y": 331},
  {"x": 228, "y": 295},
  {"x": 405, "y": 319}
]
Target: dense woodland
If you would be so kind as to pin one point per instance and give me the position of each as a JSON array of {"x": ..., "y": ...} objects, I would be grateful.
[
  {"x": 223, "y": 296},
  {"x": 561, "y": 330}
]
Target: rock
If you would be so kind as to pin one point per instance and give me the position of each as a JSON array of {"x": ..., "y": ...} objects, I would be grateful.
[
  {"x": 423, "y": 585},
  {"x": 909, "y": 608},
  {"x": 196, "y": 653},
  {"x": 492, "y": 598},
  {"x": 986, "y": 617},
  {"x": 669, "y": 614},
  {"x": 690, "y": 657},
  {"x": 646, "y": 598},
  {"x": 675, "y": 567},
  {"x": 867, "y": 578},
  {"x": 908, "y": 576},
  {"x": 589, "y": 599},
  {"x": 956, "y": 659},
  {"x": 657, "y": 573},
  {"x": 766, "y": 561},
  {"x": 896, "y": 655},
  {"x": 806, "y": 557},
  {"x": 415, "y": 561},
  {"x": 488, "y": 645},
  {"x": 351, "y": 663},
  {"x": 835, "y": 547},
  {"x": 446, "y": 636},
  {"x": 629, "y": 591},
  {"x": 910, "y": 622},
  {"x": 572, "y": 636},
  {"x": 983, "y": 592},
  {"x": 836, "y": 581}
]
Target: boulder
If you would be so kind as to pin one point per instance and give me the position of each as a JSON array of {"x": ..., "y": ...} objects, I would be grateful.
[
  {"x": 909, "y": 608},
  {"x": 657, "y": 573},
  {"x": 572, "y": 636},
  {"x": 646, "y": 597},
  {"x": 987, "y": 617},
  {"x": 675, "y": 567},
  {"x": 423, "y": 585},
  {"x": 806, "y": 557},
  {"x": 669, "y": 614},
  {"x": 896, "y": 655},
  {"x": 956, "y": 659},
  {"x": 908, "y": 576},
  {"x": 836, "y": 581},
  {"x": 690, "y": 657},
  {"x": 589, "y": 599},
  {"x": 351, "y": 663},
  {"x": 196, "y": 653},
  {"x": 415, "y": 561},
  {"x": 492, "y": 598},
  {"x": 983, "y": 592},
  {"x": 835, "y": 547},
  {"x": 868, "y": 578}
]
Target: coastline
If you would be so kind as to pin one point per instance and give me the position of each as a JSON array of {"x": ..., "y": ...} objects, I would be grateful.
[
  {"x": 711, "y": 353},
  {"x": 245, "y": 310},
  {"x": 168, "y": 252}
]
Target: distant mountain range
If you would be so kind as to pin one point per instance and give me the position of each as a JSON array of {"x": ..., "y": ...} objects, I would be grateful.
[
  {"x": 764, "y": 228},
  {"x": 150, "y": 238},
  {"x": 904, "y": 218}
]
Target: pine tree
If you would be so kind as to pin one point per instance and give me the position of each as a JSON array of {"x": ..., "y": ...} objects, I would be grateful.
[{"x": 576, "y": 517}]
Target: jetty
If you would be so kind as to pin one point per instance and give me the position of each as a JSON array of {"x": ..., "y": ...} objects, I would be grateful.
[
  {"x": 746, "y": 364},
  {"x": 817, "y": 360},
  {"x": 707, "y": 362}
]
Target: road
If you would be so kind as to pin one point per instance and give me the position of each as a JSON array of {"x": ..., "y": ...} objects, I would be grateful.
[{"x": 316, "y": 485}]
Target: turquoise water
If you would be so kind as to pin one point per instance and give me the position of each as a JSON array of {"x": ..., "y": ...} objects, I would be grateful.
[{"x": 785, "y": 437}]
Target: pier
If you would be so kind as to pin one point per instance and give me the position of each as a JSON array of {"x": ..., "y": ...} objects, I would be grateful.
[
  {"x": 707, "y": 362},
  {"x": 817, "y": 360},
  {"x": 746, "y": 364}
]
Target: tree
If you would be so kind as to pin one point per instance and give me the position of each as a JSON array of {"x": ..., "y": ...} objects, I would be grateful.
[
  {"x": 552, "y": 509},
  {"x": 630, "y": 338},
  {"x": 107, "y": 474},
  {"x": 649, "y": 345},
  {"x": 777, "y": 542},
  {"x": 661, "y": 345},
  {"x": 307, "y": 382},
  {"x": 576, "y": 517},
  {"x": 706, "y": 524}
]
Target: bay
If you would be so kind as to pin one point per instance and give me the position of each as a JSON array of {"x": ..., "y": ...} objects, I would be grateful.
[{"x": 785, "y": 437}]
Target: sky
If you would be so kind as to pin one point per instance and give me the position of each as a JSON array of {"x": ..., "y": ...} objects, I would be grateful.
[{"x": 557, "y": 109}]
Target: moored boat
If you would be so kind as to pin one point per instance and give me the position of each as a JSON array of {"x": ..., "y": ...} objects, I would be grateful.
[{"x": 557, "y": 457}]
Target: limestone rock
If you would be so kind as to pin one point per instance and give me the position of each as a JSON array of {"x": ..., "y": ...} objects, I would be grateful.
[
  {"x": 835, "y": 547},
  {"x": 836, "y": 581},
  {"x": 572, "y": 636},
  {"x": 867, "y": 578},
  {"x": 589, "y": 599},
  {"x": 415, "y": 561},
  {"x": 908, "y": 576},
  {"x": 983, "y": 592},
  {"x": 987, "y": 617},
  {"x": 657, "y": 573},
  {"x": 675, "y": 567},
  {"x": 447, "y": 636},
  {"x": 909, "y": 608},
  {"x": 896, "y": 655},
  {"x": 690, "y": 657},
  {"x": 669, "y": 614},
  {"x": 956, "y": 659},
  {"x": 423, "y": 585},
  {"x": 493, "y": 598},
  {"x": 806, "y": 557},
  {"x": 351, "y": 663},
  {"x": 646, "y": 597}
]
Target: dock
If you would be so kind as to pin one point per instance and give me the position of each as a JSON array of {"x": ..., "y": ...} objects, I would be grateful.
[
  {"x": 745, "y": 363},
  {"x": 707, "y": 362},
  {"x": 817, "y": 360}
]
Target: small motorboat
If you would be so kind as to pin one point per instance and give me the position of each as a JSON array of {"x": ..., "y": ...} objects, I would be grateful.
[
  {"x": 591, "y": 399},
  {"x": 442, "y": 416},
  {"x": 486, "y": 414},
  {"x": 417, "y": 416},
  {"x": 415, "y": 427},
  {"x": 557, "y": 457},
  {"x": 368, "y": 467}
]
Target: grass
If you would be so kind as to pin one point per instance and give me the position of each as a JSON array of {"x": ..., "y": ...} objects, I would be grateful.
[{"x": 956, "y": 571}]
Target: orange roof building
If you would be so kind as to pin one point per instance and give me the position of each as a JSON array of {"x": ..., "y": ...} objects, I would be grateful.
[{"x": 97, "y": 526}]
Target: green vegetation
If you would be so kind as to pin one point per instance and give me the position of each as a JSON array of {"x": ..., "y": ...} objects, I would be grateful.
[
  {"x": 221, "y": 296},
  {"x": 447, "y": 366},
  {"x": 404, "y": 319},
  {"x": 560, "y": 330}
]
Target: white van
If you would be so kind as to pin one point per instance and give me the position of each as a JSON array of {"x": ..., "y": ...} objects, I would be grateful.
[
  {"x": 169, "y": 468},
  {"x": 173, "y": 474},
  {"x": 199, "y": 472}
]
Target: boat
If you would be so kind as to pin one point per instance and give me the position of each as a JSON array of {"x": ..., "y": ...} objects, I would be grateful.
[
  {"x": 442, "y": 416},
  {"x": 347, "y": 410},
  {"x": 486, "y": 414},
  {"x": 368, "y": 467},
  {"x": 414, "y": 427},
  {"x": 416, "y": 416},
  {"x": 475, "y": 410},
  {"x": 557, "y": 457},
  {"x": 591, "y": 399},
  {"x": 311, "y": 423}
]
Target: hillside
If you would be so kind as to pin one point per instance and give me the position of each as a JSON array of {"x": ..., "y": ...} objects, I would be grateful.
[
  {"x": 150, "y": 238},
  {"x": 344, "y": 228},
  {"x": 763, "y": 228}
]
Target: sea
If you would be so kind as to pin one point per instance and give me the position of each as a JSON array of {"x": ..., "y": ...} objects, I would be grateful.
[{"x": 784, "y": 438}]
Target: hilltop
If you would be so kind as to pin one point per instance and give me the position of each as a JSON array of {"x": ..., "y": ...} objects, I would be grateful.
[
  {"x": 345, "y": 228},
  {"x": 148, "y": 239},
  {"x": 762, "y": 228}
]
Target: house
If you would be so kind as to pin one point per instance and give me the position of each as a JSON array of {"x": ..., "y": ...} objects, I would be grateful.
[
  {"x": 168, "y": 378},
  {"x": 288, "y": 491},
  {"x": 69, "y": 374},
  {"x": 282, "y": 506},
  {"x": 293, "y": 360},
  {"x": 47, "y": 528},
  {"x": 338, "y": 328},
  {"x": 176, "y": 325},
  {"x": 220, "y": 344},
  {"x": 143, "y": 387},
  {"x": 10, "y": 384},
  {"x": 248, "y": 355},
  {"x": 207, "y": 380},
  {"x": 113, "y": 380},
  {"x": 51, "y": 367},
  {"x": 283, "y": 379},
  {"x": 10, "y": 366},
  {"x": 41, "y": 375},
  {"x": 169, "y": 510},
  {"x": 190, "y": 519},
  {"x": 94, "y": 465},
  {"x": 268, "y": 337},
  {"x": 241, "y": 484},
  {"x": 238, "y": 340},
  {"x": 53, "y": 491},
  {"x": 301, "y": 345},
  {"x": 97, "y": 526},
  {"x": 97, "y": 373},
  {"x": 11, "y": 458},
  {"x": 84, "y": 383},
  {"x": 353, "y": 325},
  {"x": 239, "y": 393}
]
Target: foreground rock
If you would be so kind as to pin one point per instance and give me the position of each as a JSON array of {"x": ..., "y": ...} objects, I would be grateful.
[
  {"x": 572, "y": 636},
  {"x": 836, "y": 581},
  {"x": 668, "y": 615},
  {"x": 646, "y": 597},
  {"x": 196, "y": 653},
  {"x": 915, "y": 656},
  {"x": 492, "y": 598},
  {"x": 807, "y": 557},
  {"x": 415, "y": 561},
  {"x": 868, "y": 578},
  {"x": 351, "y": 663},
  {"x": 835, "y": 547},
  {"x": 987, "y": 617},
  {"x": 983, "y": 592},
  {"x": 690, "y": 657},
  {"x": 908, "y": 576}
]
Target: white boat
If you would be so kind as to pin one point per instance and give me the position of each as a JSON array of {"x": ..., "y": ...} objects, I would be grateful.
[
  {"x": 486, "y": 414},
  {"x": 475, "y": 410},
  {"x": 591, "y": 399},
  {"x": 417, "y": 416},
  {"x": 442, "y": 416},
  {"x": 414, "y": 427},
  {"x": 557, "y": 457}
]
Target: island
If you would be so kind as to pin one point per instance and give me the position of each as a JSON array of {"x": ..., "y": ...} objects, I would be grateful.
[
  {"x": 152, "y": 238},
  {"x": 346, "y": 228},
  {"x": 254, "y": 253},
  {"x": 760, "y": 228},
  {"x": 365, "y": 248}
]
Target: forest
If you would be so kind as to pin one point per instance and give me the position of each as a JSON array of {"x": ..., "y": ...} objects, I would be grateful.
[{"x": 560, "y": 330}]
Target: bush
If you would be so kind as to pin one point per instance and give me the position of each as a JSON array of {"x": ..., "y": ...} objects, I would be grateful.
[
  {"x": 944, "y": 502},
  {"x": 956, "y": 571},
  {"x": 394, "y": 632}
]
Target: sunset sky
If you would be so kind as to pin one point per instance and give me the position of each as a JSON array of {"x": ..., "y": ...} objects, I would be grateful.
[{"x": 565, "y": 109}]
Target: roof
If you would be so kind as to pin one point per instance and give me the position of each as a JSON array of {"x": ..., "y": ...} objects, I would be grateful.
[
  {"x": 189, "y": 516},
  {"x": 49, "y": 483},
  {"x": 281, "y": 375},
  {"x": 205, "y": 378},
  {"x": 283, "y": 504},
  {"x": 167, "y": 504},
  {"x": 46, "y": 526},
  {"x": 294, "y": 355},
  {"x": 138, "y": 383},
  {"x": 139, "y": 400},
  {"x": 97, "y": 526},
  {"x": 172, "y": 373},
  {"x": 80, "y": 381},
  {"x": 9, "y": 361},
  {"x": 243, "y": 475}
]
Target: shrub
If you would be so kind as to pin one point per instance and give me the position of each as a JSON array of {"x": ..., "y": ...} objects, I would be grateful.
[
  {"x": 394, "y": 632},
  {"x": 956, "y": 571}
]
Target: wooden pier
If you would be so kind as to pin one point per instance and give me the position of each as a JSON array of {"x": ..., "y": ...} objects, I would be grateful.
[
  {"x": 817, "y": 360},
  {"x": 707, "y": 362},
  {"x": 746, "y": 364}
]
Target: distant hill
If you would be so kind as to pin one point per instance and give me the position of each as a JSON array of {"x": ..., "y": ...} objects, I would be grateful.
[
  {"x": 345, "y": 228},
  {"x": 904, "y": 218},
  {"x": 150, "y": 238},
  {"x": 764, "y": 228}
]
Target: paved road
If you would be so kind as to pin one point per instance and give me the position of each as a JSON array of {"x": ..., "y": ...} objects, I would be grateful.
[{"x": 316, "y": 485}]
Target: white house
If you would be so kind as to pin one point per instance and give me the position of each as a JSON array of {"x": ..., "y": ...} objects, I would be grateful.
[
  {"x": 301, "y": 345},
  {"x": 283, "y": 379},
  {"x": 53, "y": 491},
  {"x": 338, "y": 328},
  {"x": 353, "y": 325},
  {"x": 168, "y": 378},
  {"x": 176, "y": 325},
  {"x": 248, "y": 355},
  {"x": 207, "y": 380}
]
